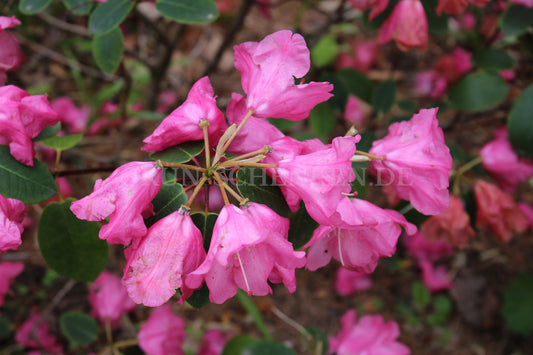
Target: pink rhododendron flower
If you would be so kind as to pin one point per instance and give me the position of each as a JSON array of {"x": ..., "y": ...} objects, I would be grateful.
[
  {"x": 356, "y": 111},
  {"x": 8, "y": 22},
  {"x": 172, "y": 248},
  {"x": 255, "y": 134},
  {"x": 10, "y": 54},
  {"x": 527, "y": 210},
  {"x": 503, "y": 164},
  {"x": 268, "y": 69},
  {"x": 407, "y": 26},
  {"x": 369, "y": 335},
  {"x": 455, "y": 65},
  {"x": 183, "y": 124},
  {"x": 497, "y": 210},
  {"x": 122, "y": 197},
  {"x": 163, "y": 333},
  {"x": 359, "y": 234},
  {"x": 377, "y": 6},
  {"x": 8, "y": 272},
  {"x": 73, "y": 118},
  {"x": 166, "y": 99},
  {"x": 527, "y": 3},
  {"x": 452, "y": 225},
  {"x": 23, "y": 117},
  {"x": 362, "y": 56},
  {"x": 435, "y": 278},
  {"x": 320, "y": 178},
  {"x": 12, "y": 214},
  {"x": 213, "y": 342},
  {"x": 248, "y": 247},
  {"x": 109, "y": 299},
  {"x": 430, "y": 84},
  {"x": 34, "y": 333},
  {"x": 422, "y": 248},
  {"x": 417, "y": 162},
  {"x": 452, "y": 7},
  {"x": 348, "y": 282},
  {"x": 508, "y": 75}
]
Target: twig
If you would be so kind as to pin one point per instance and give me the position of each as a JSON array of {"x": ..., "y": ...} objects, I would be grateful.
[{"x": 62, "y": 25}]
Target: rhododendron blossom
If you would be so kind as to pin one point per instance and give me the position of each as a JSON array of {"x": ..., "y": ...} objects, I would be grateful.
[
  {"x": 369, "y": 335},
  {"x": 416, "y": 162},
  {"x": 377, "y": 6},
  {"x": 34, "y": 333},
  {"x": 213, "y": 342},
  {"x": 109, "y": 299},
  {"x": 163, "y": 333},
  {"x": 12, "y": 214},
  {"x": 268, "y": 69},
  {"x": 422, "y": 248},
  {"x": 73, "y": 118},
  {"x": 362, "y": 55},
  {"x": 348, "y": 282},
  {"x": 435, "y": 278},
  {"x": 407, "y": 26},
  {"x": 122, "y": 197},
  {"x": 8, "y": 272},
  {"x": 10, "y": 53}
]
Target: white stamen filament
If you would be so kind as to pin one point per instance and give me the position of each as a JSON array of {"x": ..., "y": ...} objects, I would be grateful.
[
  {"x": 244, "y": 275},
  {"x": 339, "y": 242}
]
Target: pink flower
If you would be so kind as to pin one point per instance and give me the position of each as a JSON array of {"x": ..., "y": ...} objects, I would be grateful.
[
  {"x": 498, "y": 211},
  {"x": 10, "y": 54},
  {"x": 122, "y": 197},
  {"x": 163, "y": 333},
  {"x": 422, "y": 248},
  {"x": 407, "y": 26},
  {"x": 320, "y": 178},
  {"x": 8, "y": 22},
  {"x": 359, "y": 233},
  {"x": 35, "y": 334},
  {"x": 172, "y": 248},
  {"x": 348, "y": 282},
  {"x": 12, "y": 214},
  {"x": 213, "y": 342},
  {"x": 417, "y": 162},
  {"x": 452, "y": 7},
  {"x": 356, "y": 111},
  {"x": 183, "y": 124},
  {"x": 248, "y": 247},
  {"x": 109, "y": 299},
  {"x": 377, "y": 6},
  {"x": 363, "y": 54},
  {"x": 268, "y": 69},
  {"x": 455, "y": 65},
  {"x": 23, "y": 117},
  {"x": 72, "y": 117},
  {"x": 8, "y": 272},
  {"x": 527, "y": 3},
  {"x": 430, "y": 84},
  {"x": 370, "y": 335},
  {"x": 527, "y": 210},
  {"x": 435, "y": 278},
  {"x": 503, "y": 164},
  {"x": 166, "y": 100},
  {"x": 452, "y": 225}
]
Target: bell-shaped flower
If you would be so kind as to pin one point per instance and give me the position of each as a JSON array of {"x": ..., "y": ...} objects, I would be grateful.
[
  {"x": 163, "y": 333},
  {"x": 356, "y": 111},
  {"x": 416, "y": 163},
  {"x": 527, "y": 3},
  {"x": 454, "y": 66},
  {"x": 430, "y": 84},
  {"x": 435, "y": 278},
  {"x": 320, "y": 178},
  {"x": 10, "y": 54},
  {"x": 268, "y": 69},
  {"x": 74, "y": 118},
  {"x": 498, "y": 211},
  {"x": 359, "y": 234},
  {"x": 122, "y": 197},
  {"x": 503, "y": 164},
  {"x": 8, "y": 272},
  {"x": 422, "y": 248},
  {"x": 361, "y": 56},
  {"x": 452, "y": 225},
  {"x": 255, "y": 134},
  {"x": 369, "y": 335},
  {"x": 213, "y": 342},
  {"x": 377, "y": 6},
  {"x": 407, "y": 26},
  {"x": 249, "y": 246},
  {"x": 109, "y": 299},
  {"x": 35, "y": 334},
  {"x": 23, "y": 117},
  {"x": 348, "y": 282},
  {"x": 172, "y": 248},
  {"x": 527, "y": 210},
  {"x": 183, "y": 124},
  {"x": 12, "y": 214}
]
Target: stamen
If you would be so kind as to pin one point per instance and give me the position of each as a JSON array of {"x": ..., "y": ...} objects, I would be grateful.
[
  {"x": 248, "y": 291},
  {"x": 339, "y": 242}
]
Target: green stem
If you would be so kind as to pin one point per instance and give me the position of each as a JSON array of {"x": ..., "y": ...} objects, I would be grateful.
[
  {"x": 228, "y": 164},
  {"x": 195, "y": 191},
  {"x": 252, "y": 310}
]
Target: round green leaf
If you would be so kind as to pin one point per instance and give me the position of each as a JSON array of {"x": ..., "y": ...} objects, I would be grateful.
[
  {"x": 236, "y": 344},
  {"x": 109, "y": 15},
  {"x": 325, "y": 51},
  {"x": 356, "y": 83},
  {"x": 78, "y": 328},
  {"x": 30, "y": 7},
  {"x": 518, "y": 304},
  {"x": 516, "y": 20},
  {"x": 62, "y": 142},
  {"x": 323, "y": 119},
  {"x": 47, "y": 132},
  {"x": 267, "y": 347},
  {"x": 79, "y": 7},
  {"x": 179, "y": 154},
  {"x": 108, "y": 48},
  {"x": 478, "y": 92},
  {"x": 30, "y": 184},
  {"x": 421, "y": 295},
  {"x": 492, "y": 60},
  {"x": 169, "y": 199},
  {"x": 69, "y": 245},
  {"x": 520, "y": 123},
  {"x": 188, "y": 11},
  {"x": 383, "y": 96}
]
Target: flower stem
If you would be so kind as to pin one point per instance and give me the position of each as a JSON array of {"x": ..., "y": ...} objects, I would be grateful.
[
  {"x": 222, "y": 189},
  {"x": 179, "y": 165},
  {"x": 234, "y": 193},
  {"x": 265, "y": 150},
  {"x": 204, "y": 125},
  {"x": 234, "y": 134},
  {"x": 467, "y": 166},
  {"x": 371, "y": 156},
  {"x": 195, "y": 191},
  {"x": 228, "y": 164}
]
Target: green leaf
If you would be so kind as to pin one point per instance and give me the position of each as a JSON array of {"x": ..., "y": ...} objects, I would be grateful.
[
  {"x": 442, "y": 308},
  {"x": 188, "y": 11},
  {"x": 340, "y": 92},
  {"x": 360, "y": 183},
  {"x": 301, "y": 228},
  {"x": 78, "y": 7},
  {"x": 520, "y": 123},
  {"x": 26, "y": 183},
  {"x": 108, "y": 48},
  {"x": 200, "y": 297},
  {"x": 205, "y": 223},
  {"x": 62, "y": 142},
  {"x": 517, "y": 309},
  {"x": 267, "y": 347},
  {"x": 492, "y": 60},
  {"x": 325, "y": 51},
  {"x": 437, "y": 25},
  {"x": 69, "y": 245},
  {"x": 179, "y": 154},
  {"x": 478, "y": 92},
  {"x": 109, "y": 15},
  {"x": 516, "y": 20},
  {"x": 236, "y": 345},
  {"x": 47, "y": 132},
  {"x": 320, "y": 343},
  {"x": 30, "y": 7},
  {"x": 78, "y": 328},
  {"x": 356, "y": 83},
  {"x": 256, "y": 185},
  {"x": 282, "y": 124},
  {"x": 323, "y": 120},
  {"x": 5, "y": 328},
  {"x": 421, "y": 295},
  {"x": 253, "y": 312},
  {"x": 407, "y": 105},
  {"x": 168, "y": 199},
  {"x": 383, "y": 96}
]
